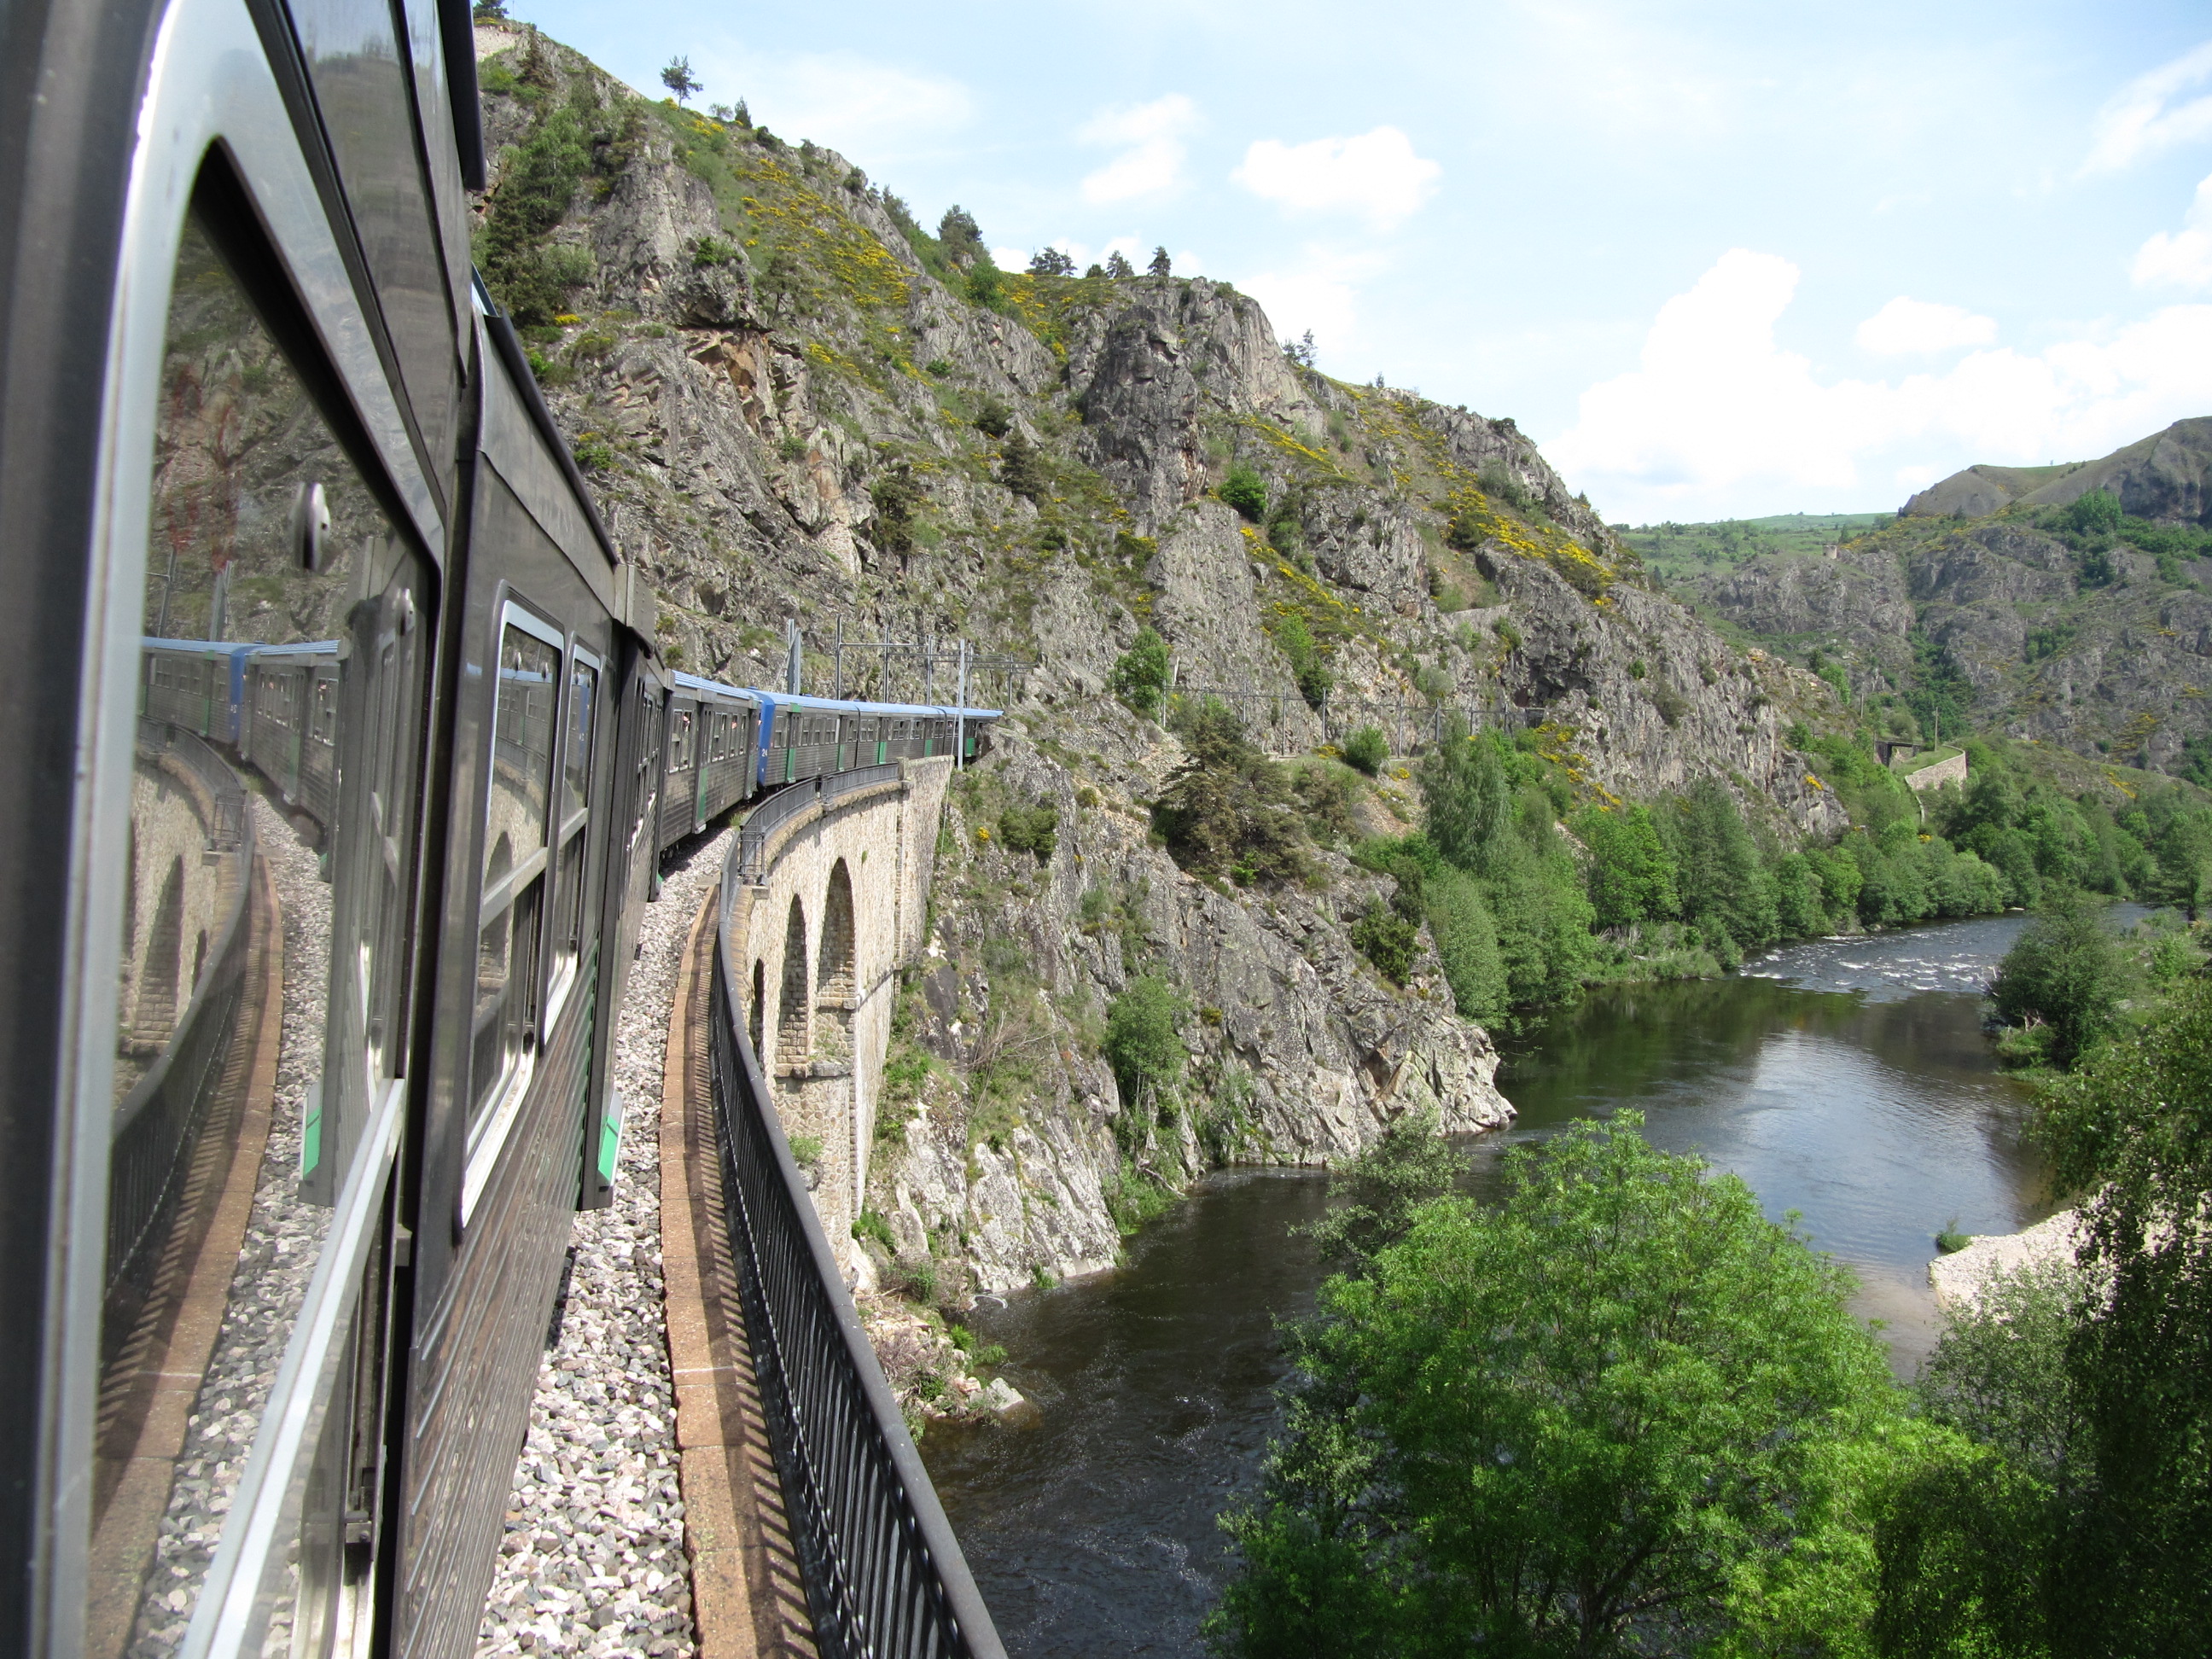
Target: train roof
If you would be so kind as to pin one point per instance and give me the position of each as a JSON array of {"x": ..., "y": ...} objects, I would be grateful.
[
  {"x": 225, "y": 647},
  {"x": 692, "y": 682}
]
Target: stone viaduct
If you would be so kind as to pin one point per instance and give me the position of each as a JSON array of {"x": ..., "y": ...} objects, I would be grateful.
[{"x": 841, "y": 904}]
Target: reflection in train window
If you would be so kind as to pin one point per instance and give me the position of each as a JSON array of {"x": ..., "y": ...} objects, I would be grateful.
[
  {"x": 576, "y": 802},
  {"x": 511, "y": 914},
  {"x": 264, "y": 909}
]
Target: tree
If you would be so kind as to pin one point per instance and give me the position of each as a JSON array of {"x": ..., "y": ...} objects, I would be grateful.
[
  {"x": 1300, "y": 351},
  {"x": 1022, "y": 469},
  {"x": 489, "y": 11},
  {"x": 2062, "y": 972},
  {"x": 1051, "y": 262},
  {"x": 1228, "y": 810},
  {"x": 1631, "y": 876},
  {"x": 2094, "y": 511},
  {"x": 677, "y": 78},
  {"x": 1118, "y": 266},
  {"x": 1373, "y": 1198},
  {"x": 1309, "y": 666},
  {"x": 1161, "y": 264},
  {"x": 961, "y": 237},
  {"x": 1469, "y": 802},
  {"x": 1141, "y": 673},
  {"x": 1142, "y": 1044},
  {"x": 1466, "y": 935},
  {"x": 1622, "y": 1411}
]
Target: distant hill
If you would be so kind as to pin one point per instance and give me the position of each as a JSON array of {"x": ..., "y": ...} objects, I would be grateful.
[
  {"x": 2066, "y": 605},
  {"x": 2166, "y": 478}
]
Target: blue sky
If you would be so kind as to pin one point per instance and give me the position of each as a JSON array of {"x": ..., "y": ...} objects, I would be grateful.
[{"x": 1720, "y": 259}]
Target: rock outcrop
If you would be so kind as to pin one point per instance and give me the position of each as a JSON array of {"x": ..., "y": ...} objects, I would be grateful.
[{"x": 797, "y": 407}]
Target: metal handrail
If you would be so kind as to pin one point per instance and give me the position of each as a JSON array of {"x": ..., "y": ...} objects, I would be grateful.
[
  {"x": 884, "y": 1574},
  {"x": 749, "y": 864}
]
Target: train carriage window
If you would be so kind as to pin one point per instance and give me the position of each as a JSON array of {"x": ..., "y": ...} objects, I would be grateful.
[
  {"x": 261, "y": 977},
  {"x": 518, "y": 838}
]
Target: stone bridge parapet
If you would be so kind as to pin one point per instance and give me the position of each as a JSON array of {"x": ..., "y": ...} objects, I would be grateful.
[{"x": 840, "y": 904}]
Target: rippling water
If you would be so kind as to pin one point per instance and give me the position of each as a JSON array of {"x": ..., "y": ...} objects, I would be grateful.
[{"x": 1847, "y": 1079}]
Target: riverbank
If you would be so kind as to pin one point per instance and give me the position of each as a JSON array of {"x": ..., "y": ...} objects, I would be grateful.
[{"x": 1960, "y": 1278}]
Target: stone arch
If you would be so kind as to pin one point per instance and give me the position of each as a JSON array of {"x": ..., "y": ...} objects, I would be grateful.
[
  {"x": 834, "y": 970},
  {"x": 757, "y": 1012},
  {"x": 164, "y": 964},
  {"x": 793, "y": 1037},
  {"x": 834, "y": 973}
]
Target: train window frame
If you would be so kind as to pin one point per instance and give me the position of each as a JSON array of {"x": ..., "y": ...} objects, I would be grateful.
[
  {"x": 570, "y": 908},
  {"x": 214, "y": 105},
  {"x": 492, "y": 1115}
]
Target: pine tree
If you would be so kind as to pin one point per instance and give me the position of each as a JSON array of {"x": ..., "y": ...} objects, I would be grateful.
[
  {"x": 677, "y": 78},
  {"x": 1161, "y": 266},
  {"x": 1116, "y": 265}
]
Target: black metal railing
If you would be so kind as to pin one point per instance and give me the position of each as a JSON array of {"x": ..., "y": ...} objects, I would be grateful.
[
  {"x": 885, "y": 1577},
  {"x": 750, "y": 866},
  {"x": 158, "y": 1125}
]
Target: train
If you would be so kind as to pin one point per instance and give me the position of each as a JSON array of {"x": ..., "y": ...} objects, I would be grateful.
[{"x": 344, "y": 759}]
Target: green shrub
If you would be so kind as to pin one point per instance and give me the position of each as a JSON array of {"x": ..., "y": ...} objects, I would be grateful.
[
  {"x": 1245, "y": 490},
  {"x": 1367, "y": 749},
  {"x": 1387, "y": 939},
  {"x": 1030, "y": 829},
  {"x": 806, "y": 1151},
  {"x": 2098, "y": 510},
  {"x": 1466, "y": 938},
  {"x": 1229, "y": 811},
  {"x": 1308, "y": 666},
  {"x": 868, "y": 1224},
  {"x": 937, "y": 368}
]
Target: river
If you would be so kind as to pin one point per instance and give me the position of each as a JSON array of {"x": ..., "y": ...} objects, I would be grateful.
[{"x": 1847, "y": 1079}]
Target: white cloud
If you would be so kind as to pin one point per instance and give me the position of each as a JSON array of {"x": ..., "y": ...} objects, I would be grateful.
[
  {"x": 1376, "y": 174},
  {"x": 2143, "y": 118},
  {"x": 1717, "y": 418},
  {"x": 1321, "y": 292},
  {"x": 1151, "y": 161},
  {"x": 847, "y": 102},
  {"x": 1010, "y": 258},
  {"x": 1905, "y": 327},
  {"x": 2183, "y": 259}
]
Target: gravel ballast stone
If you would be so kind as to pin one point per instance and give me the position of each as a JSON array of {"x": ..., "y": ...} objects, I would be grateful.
[{"x": 593, "y": 1560}]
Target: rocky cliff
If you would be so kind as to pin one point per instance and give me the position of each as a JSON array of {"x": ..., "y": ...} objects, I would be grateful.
[
  {"x": 1999, "y": 598},
  {"x": 798, "y": 408}
]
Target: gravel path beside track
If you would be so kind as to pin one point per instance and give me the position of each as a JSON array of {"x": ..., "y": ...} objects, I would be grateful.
[{"x": 593, "y": 1561}]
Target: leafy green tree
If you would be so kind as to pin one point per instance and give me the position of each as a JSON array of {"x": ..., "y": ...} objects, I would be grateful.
[
  {"x": 2064, "y": 972},
  {"x": 1051, "y": 262},
  {"x": 1469, "y": 802},
  {"x": 1620, "y": 1412},
  {"x": 678, "y": 79},
  {"x": 1725, "y": 888},
  {"x": 2134, "y": 1129},
  {"x": 1366, "y": 750},
  {"x": 1466, "y": 936},
  {"x": 1141, "y": 673},
  {"x": 1631, "y": 875},
  {"x": 1143, "y": 1043},
  {"x": 1373, "y": 1198}
]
